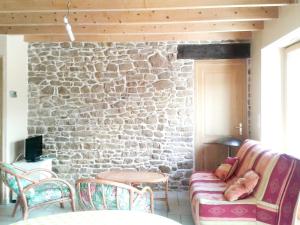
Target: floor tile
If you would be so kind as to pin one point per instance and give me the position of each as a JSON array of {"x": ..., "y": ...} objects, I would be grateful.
[
  {"x": 175, "y": 217},
  {"x": 187, "y": 220}
]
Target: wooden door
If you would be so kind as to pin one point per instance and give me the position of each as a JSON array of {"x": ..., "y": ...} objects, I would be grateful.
[{"x": 221, "y": 107}]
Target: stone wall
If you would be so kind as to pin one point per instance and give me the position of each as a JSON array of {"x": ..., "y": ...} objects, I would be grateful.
[{"x": 113, "y": 106}]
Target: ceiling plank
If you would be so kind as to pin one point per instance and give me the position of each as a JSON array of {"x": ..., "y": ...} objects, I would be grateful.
[
  {"x": 136, "y": 28},
  {"x": 56, "y": 5},
  {"x": 139, "y": 38},
  {"x": 147, "y": 17}
]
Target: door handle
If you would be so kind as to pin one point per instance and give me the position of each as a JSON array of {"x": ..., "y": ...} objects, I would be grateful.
[{"x": 240, "y": 127}]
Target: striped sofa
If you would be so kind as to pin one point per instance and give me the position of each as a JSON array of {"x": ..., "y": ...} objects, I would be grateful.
[{"x": 274, "y": 200}]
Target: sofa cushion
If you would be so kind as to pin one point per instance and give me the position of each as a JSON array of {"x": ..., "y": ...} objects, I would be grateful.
[
  {"x": 106, "y": 196},
  {"x": 203, "y": 176},
  {"x": 249, "y": 159},
  {"x": 223, "y": 170},
  {"x": 205, "y": 182},
  {"x": 250, "y": 180},
  {"x": 46, "y": 192},
  {"x": 227, "y": 169},
  {"x": 208, "y": 202},
  {"x": 242, "y": 187},
  {"x": 222, "y": 210},
  {"x": 11, "y": 180},
  {"x": 254, "y": 156}
]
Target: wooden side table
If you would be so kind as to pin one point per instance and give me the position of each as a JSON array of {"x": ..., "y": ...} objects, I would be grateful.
[{"x": 137, "y": 177}]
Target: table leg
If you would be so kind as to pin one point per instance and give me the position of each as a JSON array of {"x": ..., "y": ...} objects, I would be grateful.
[{"x": 166, "y": 194}]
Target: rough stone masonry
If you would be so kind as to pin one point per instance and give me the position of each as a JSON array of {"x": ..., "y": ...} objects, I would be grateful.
[{"x": 113, "y": 106}]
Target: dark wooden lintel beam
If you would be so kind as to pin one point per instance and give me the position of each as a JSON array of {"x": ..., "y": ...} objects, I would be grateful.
[{"x": 214, "y": 51}]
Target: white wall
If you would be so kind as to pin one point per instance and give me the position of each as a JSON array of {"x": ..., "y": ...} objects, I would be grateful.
[
  {"x": 3, "y": 56},
  {"x": 276, "y": 34},
  {"x": 13, "y": 50},
  {"x": 14, "y": 53},
  {"x": 2, "y": 153},
  {"x": 17, "y": 108}
]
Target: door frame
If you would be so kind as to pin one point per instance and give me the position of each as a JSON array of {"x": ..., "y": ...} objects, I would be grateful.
[
  {"x": 1, "y": 126},
  {"x": 1, "y": 109},
  {"x": 197, "y": 117},
  {"x": 3, "y": 153}
]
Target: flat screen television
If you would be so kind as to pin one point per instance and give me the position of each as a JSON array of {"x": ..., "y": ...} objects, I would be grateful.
[{"x": 33, "y": 148}]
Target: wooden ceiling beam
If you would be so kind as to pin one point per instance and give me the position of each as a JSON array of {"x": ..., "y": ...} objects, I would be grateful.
[
  {"x": 96, "y": 5},
  {"x": 136, "y": 28},
  {"x": 242, "y": 36},
  {"x": 138, "y": 17}
]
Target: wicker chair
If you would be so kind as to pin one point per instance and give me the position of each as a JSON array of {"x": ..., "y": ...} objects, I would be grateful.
[
  {"x": 95, "y": 194},
  {"x": 35, "y": 188}
]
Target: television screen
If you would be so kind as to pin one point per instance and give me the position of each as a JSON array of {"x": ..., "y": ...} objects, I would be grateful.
[{"x": 33, "y": 148}]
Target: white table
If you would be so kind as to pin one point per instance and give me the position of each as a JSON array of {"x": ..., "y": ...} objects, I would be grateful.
[{"x": 101, "y": 217}]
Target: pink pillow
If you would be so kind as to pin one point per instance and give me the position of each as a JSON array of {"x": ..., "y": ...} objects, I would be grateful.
[
  {"x": 242, "y": 187},
  {"x": 251, "y": 180},
  {"x": 226, "y": 169}
]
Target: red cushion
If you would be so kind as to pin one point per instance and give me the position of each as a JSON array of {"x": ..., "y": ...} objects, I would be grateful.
[
  {"x": 227, "y": 169},
  {"x": 242, "y": 187}
]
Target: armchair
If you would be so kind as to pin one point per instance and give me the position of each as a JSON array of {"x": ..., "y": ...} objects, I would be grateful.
[
  {"x": 35, "y": 188},
  {"x": 96, "y": 194}
]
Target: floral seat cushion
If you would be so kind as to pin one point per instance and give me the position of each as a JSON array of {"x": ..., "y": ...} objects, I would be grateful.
[
  {"x": 115, "y": 198},
  {"x": 11, "y": 180},
  {"x": 35, "y": 187},
  {"x": 46, "y": 192}
]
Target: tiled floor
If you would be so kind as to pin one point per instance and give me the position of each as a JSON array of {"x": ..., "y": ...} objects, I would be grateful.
[{"x": 180, "y": 210}]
